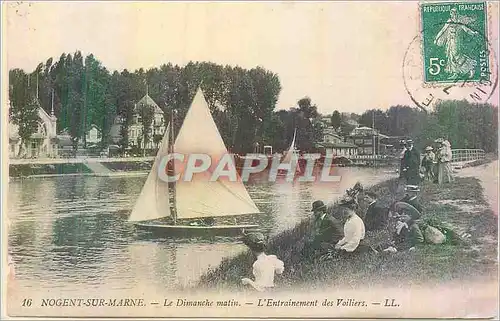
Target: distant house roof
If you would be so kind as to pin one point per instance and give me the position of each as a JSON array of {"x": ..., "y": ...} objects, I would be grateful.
[
  {"x": 366, "y": 131},
  {"x": 94, "y": 126},
  {"x": 148, "y": 101}
]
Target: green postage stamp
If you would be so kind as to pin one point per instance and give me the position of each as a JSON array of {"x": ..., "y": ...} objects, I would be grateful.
[{"x": 454, "y": 42}]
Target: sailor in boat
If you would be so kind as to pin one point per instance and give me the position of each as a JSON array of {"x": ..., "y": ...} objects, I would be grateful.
[{"x": 265, "y": 267}]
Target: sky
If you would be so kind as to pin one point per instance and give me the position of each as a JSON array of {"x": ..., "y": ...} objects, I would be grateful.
[{"x": 345, "y": 56}]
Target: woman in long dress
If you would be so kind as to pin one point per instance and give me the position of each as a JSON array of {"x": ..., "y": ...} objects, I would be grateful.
[
  {"x": 445, "y": 174},
  {"x": 450, "y": 36}
]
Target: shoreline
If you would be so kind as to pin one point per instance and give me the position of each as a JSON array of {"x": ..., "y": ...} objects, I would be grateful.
[
  {"x": 127, "y": 168},
  {"x": 463, "y": 204}
]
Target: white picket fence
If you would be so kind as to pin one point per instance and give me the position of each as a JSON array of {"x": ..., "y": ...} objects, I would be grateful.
[{"x": 461, "y": 156}]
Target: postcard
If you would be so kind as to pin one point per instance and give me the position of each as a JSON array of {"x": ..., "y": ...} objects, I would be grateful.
[{"x": 250, "y": 159}]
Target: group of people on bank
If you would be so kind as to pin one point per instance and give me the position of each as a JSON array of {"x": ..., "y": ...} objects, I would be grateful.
[
  {"x": 431, "y": 166},
  {"x": 342, "y": 234}
]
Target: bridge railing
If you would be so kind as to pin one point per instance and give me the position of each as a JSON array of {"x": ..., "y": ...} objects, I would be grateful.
[{"x": 467, "y": 155}]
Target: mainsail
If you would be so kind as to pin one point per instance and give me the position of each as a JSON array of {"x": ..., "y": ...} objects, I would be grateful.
[
  {"x": 153, "y": 202},
  {"x": 291, "y": 151},
  {"x": 200, "y": 197}
]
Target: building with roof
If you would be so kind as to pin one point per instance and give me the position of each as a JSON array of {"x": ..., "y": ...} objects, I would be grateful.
[
  {"x": 333, "y": 144},
  {"x": 136, "y": 127},
  {"x": 367, "y": 140},
  {"x": 42, "y": 143},
  {"x": 93, "y": 135}
]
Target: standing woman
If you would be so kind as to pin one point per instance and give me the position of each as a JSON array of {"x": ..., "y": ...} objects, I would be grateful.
[
  {"x": 448, "y": 155},
  {"x": 264, "y": 267},
  {"x": 439, "y": 165}
]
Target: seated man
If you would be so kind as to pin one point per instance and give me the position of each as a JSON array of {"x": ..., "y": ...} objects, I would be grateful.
[
  {"x": 354, "y": 228},
  {"x": 326, "y": 230},
  {"x": 376, "y": 215}
]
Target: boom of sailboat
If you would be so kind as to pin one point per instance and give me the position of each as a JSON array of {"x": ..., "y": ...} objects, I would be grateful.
[{"x": 200, "y": 197}]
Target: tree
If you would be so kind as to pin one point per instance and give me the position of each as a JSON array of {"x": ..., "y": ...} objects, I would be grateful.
[
  {"x": 23, "y": 109},
  {"x": 336, "y": 120}
]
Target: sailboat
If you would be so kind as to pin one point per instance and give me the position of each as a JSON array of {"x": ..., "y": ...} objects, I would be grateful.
[
  {"x": 290, "y": 156},
  {"x": 198, "y": 198}
]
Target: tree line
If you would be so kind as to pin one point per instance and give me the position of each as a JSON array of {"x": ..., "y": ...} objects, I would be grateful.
[
  {"x": 243, "y": 101},
  {"x": 464, "y": 124},
  {"x": 82, "y": 92}
]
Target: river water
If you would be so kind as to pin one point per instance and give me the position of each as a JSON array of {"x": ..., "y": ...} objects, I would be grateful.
[{"x": 70, "y": 234}]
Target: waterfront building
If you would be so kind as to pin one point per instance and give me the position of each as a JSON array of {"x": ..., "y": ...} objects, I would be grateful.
[
  {"x": 333, "y": 144},
  {"x": 367, "y": 140},
  {"x": 42, "y": 143}
]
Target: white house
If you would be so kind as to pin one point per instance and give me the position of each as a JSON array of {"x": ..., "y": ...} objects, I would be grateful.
[
  {"x": 136, "y": 128},
  {"x": 93, "y": 135},
  {"x": 42, "y": 143}
]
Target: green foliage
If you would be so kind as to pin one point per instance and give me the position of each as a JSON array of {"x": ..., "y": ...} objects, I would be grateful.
[
  {"x": 85, "y": 93},
  {"x": 336, "y": 119},
  {"x": 464, "y": 124},
  {"x": 24, "y": 106}
]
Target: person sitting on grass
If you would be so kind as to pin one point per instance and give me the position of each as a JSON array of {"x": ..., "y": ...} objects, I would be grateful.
[
  {"x": 354, "y": 229},
  {"x": 264, "y": 267},
  {"x": 411, "y": 197},
  {"x": 376, "y": 215},
  {"x": 407, "y": 232},
  {"x": 326, "y": 230}
]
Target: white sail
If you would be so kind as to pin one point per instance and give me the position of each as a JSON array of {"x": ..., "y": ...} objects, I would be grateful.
[
  {"x": 291, "y": 150},
  {"x": 153, "y": 202},
  {"x": 200, "y": 197}
]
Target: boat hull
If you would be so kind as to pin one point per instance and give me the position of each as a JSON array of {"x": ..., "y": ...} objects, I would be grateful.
[{"x": 195, "y": 231}]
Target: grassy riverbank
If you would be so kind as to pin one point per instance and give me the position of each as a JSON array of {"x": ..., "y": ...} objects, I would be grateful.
[{"x": 461, "y": 204}]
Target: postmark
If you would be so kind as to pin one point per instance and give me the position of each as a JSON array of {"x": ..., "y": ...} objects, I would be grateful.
[{"x": 451, "y": 58}]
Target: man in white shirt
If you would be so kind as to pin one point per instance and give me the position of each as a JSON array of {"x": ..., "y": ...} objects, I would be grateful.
[
  {"x": 354, "y": 228},
  {"x": 264, "y": 267}
]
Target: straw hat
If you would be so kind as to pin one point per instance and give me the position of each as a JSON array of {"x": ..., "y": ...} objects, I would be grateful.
[{"x": 412, "y": 188}]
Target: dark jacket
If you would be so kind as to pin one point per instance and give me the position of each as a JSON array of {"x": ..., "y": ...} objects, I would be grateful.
[
  {"x": 409, "y": 237},
  {"x": 328, "y": 229},
  {"x": 411, "y": 162},
  {"x": 376, "y": 217}
]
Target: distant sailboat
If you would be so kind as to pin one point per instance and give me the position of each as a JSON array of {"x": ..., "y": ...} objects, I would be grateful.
[
  {"x": 198, "y": 198},
  {"x": 291, "y": 157}
]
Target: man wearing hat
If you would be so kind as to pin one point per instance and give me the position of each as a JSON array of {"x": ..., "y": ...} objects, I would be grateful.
[
  {"x": 411, "y": 164},
  {"x": 326, "y": 230},
  {"x": 428, "y": 162},
  {"x": 354, "y": 228},
  {"x": 265, "y": 266}
]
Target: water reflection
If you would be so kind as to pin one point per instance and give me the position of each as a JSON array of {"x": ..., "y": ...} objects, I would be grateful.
[{"x": 71, "y": 232}]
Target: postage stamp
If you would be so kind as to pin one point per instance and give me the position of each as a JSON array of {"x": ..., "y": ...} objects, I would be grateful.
[
  {"x": 453, "y": 55},
  {"x": 454, "y": 42}
]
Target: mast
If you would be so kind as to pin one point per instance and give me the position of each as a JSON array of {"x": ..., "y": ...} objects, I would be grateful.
[{"x": 174, "y": 206}]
